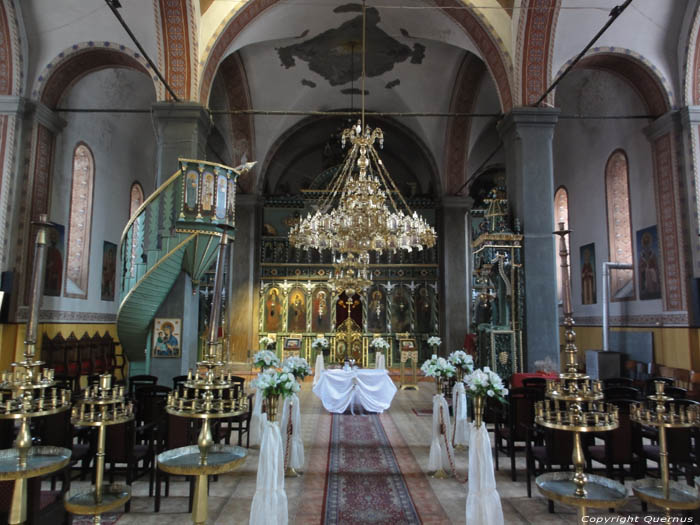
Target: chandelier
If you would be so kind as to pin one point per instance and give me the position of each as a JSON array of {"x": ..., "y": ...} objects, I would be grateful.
[{"x": 362, "y": 211}]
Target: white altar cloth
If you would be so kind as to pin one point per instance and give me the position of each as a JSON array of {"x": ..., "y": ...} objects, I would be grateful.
[{"x": 373, "y": 389}]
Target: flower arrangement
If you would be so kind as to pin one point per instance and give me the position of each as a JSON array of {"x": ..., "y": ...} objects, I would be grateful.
[
  {"x": 320, "y": 343},
  {"x": 434, "y": 341},
  {"x": 297, "y": 366},
  {"x": 272, "y": 383},
  {"x": 379, "y": 344},
  {"x": 438, "y": 367},
  {"x": 265, "y": 359},
  {"x": 485, "y": 382},
  {"x": 461, "y": 359},
  {"x": 266, "y": 341}
]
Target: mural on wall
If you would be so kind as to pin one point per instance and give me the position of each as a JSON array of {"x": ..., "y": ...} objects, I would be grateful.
[
  {"x": 401, "y": 310},
  {"x": 208, "y": 192},
  {"x": 109, "y": 270},
  {"x": 166, "y": 337},
  {"x": 376, "y": 310},
  {"x": 296, "y": 311},
  {"x": 588, "y": 280},
  {"x": 648, "y": 263},
  {"x": 321, "y": 311},
  {"x": 273, "y": 310},
  {"x": 192, "y": 189},
  {"x": 55, "y": 251}
]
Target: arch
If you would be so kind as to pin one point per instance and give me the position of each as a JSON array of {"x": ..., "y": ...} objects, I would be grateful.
[
  {"x": 644, "y": 77},
  {"x": 80, "y": 222},
  {"x": 73, "y": 63},
  {"x": 617, "y": 198},
  {"x": 306, "y": 127},
  {"x": 535, "y": 46},
  {"x": 466, "y": 90},
  {"x": 177, "y": 34},
  {"x": 474, "y": 24},
  {"x": 691, "y": 93}
]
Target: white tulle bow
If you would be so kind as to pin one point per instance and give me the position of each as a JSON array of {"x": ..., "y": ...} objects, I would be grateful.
[
  {"x": 483, "y": 501},
  {"x": 256, "y": 425},
  {"x": 270, "y": 501},
  {"x": 438, "y": 450},
  {"x": 294, "y": 442},
  {"x": 460, "y": 430}
]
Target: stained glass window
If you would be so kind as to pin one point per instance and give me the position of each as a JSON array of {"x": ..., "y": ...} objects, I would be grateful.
[
  {"x": 79, "y": 223},
  {"x": 619, "y": 225}
]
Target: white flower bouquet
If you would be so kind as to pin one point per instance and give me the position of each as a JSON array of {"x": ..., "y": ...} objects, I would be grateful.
[
  {"x": 273, "y": 383},
  {"x": 320, "y": 343},
  {"x": 297, "y": 366},
  {"x": 485, "y": 382},
  {"x": 379, "y": 344},
  {"x": 461, "y": 359},
  {"x": 266, "y": 341},
  {"x": 434, "y": 341},
  {"x": 265, "y": 359},
  {"x": 438, "y": 367}
]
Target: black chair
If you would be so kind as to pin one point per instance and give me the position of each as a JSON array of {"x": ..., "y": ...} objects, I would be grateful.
[
  {"x": 178, "y": 380},
  {"x": 650, "y": 386},
  {"x": 178, "y": 432},
  {"x": 617, "y": 381},
  {"x": 675, "y": 392},
  {"x": 557, "y": 450},
  {"x": 44, "y": 507},
  {"x": 56, "y": 431},
  {"x": 621, "y": 392},
  {"x": 121, "y": 447},
  {"x": 141, "y": 380},
  {"x": 519, "y": 424},
  {"x": 239, "y": 424},
  {"x": 621, "y": 446}
]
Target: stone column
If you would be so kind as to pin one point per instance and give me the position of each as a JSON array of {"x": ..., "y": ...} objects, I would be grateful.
[
  {"x": 454, "y": 268},
  {"x": 181, "y": 132},
  {"x": 527, "y": 135},
  {"x": 243, "y": 304}
]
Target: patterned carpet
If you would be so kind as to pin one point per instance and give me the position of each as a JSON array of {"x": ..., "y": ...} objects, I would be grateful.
[{"x": 364, "y": 483}]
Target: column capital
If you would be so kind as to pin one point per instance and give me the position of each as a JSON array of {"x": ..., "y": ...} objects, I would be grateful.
[
  {"x": 247, "y": 200},
  {"x": 668, "y": 122},
  {"x": 690, "y": 115},
  {"x": 167, "y": 112},
  {"x": 453, "y": 201},
  {"x": 12, "y": 105},
  {"x": 528, "y": 117},
  {"x": 45, "y": 116}
]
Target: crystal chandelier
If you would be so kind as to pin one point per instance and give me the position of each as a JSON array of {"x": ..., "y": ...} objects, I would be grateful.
[{"x": 362, "y": 211}]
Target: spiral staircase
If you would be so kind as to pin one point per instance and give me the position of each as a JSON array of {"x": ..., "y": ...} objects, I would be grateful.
[{"x": 177, "y": 228}]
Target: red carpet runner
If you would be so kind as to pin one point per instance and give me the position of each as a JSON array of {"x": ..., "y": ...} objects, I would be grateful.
[{"x": 364, "y": 483}]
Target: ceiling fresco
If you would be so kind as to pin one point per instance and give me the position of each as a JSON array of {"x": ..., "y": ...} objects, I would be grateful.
[{"x": 335, "y": 54}]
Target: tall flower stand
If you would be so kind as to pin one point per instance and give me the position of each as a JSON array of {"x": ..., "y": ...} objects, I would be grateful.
[{"x": 412, "y": 383}]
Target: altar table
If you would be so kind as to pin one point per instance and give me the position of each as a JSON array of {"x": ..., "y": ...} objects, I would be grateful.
[{"x": 372, "y": 388}]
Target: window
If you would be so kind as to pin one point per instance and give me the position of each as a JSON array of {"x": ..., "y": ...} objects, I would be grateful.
[
  {"x": 561, "y": 215},
  {"x": 136, "y": 200},
  {"x": 79, "y": 222},
  {"x": 619, "y": 225}
]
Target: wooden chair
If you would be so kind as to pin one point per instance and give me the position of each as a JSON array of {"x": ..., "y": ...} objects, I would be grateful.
[
  {"x": 535, "y": 382},
  {"x": 177, "y": 381},
  {"x": 621, "y": 446},
  {"x": 73, "y": 361},
  {"x": 649, "y": 384},
  {"x": 85, "y": 355},
  {"x": 519, "y": 424},
  {"x": 621, "y": 392},
  {"x": 617, "y": 381},
  {"x": 122, "y": 447},
  {"x": 556, "y": 450},
  {"x": 44, "y": 507},
  {"x": 57, "y": 431},
  {"x": 141, "y": 380},
  {"x": 178, "y": 432}
]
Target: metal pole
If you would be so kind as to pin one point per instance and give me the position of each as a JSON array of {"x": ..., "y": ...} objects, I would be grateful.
[
  {"x": 607, "y": 266},
  {"x": 37, "y": 289},
  {"x": 215, "y": 313}
]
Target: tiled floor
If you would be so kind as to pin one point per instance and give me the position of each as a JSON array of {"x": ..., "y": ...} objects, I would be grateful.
[{"x": 230, "y": 497}]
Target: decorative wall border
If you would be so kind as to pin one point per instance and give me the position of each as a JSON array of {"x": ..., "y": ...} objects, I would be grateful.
[
  {"x": 63, "y": 316},
  {"x": 477, "y": 27},
  {"x": 178, "y": 46},
  {"x": 466, "y": 90},
  {"x": 653, "y": 320}
]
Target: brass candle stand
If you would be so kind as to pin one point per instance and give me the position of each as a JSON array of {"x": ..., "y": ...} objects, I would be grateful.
[
  {"x": 664, "y": 414},
  {"x": 100, "y": 406},
  {"x": 575, "y": 405},
  {"x": 29, "y": 391},
  {"x": 208, "y": 394}
]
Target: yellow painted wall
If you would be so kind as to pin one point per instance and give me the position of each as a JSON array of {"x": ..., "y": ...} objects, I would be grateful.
[
  {"x": 12, "y": 337},
  {"x": 674, "y": 347}
]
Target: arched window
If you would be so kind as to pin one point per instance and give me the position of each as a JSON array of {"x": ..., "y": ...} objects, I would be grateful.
[
  {"x": 136, "y": 200},
  {"x": 619, "y": 225},
  {"x": 79, "y": 223},
  {"x": 561, "y": 215}
]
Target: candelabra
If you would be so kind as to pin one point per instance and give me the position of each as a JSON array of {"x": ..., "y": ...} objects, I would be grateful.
[
  {"x": 100, "y": 406},
  {"x": 29, "y": 391},
  {"x": 664, "y": 414},
  {"x": 575, "y": 405},
  {"x": 208, "y": 394}
]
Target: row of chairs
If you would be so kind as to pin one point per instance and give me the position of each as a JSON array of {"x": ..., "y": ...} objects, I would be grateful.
[{"x": 71, "y": 358}]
